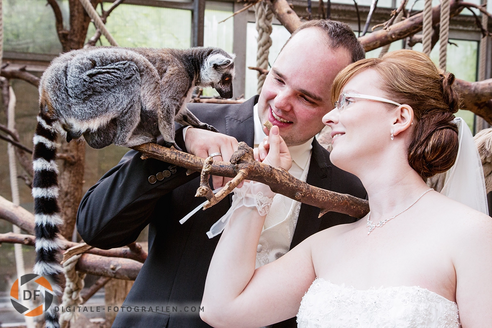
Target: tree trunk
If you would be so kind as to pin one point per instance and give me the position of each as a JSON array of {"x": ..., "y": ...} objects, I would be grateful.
[
  {"x": 72, "y": 171},
  {"x": 115, "y": 292},
  {"x": 71, "y": 180}
]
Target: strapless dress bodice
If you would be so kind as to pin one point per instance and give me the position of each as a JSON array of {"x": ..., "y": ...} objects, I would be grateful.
[{"x": 329, "y": 305}]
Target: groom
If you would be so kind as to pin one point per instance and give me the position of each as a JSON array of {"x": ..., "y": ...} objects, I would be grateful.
[{"x": 137, "y": 193}]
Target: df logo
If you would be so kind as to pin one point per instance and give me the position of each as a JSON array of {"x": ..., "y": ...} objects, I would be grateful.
[{"x": 33, "y": 293}]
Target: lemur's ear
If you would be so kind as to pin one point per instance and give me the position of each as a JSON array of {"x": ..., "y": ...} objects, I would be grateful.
[{"x": 220, "y": 61}]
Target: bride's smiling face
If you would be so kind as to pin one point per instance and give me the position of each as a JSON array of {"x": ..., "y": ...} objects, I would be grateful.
[{"x": 360, "y": 127}]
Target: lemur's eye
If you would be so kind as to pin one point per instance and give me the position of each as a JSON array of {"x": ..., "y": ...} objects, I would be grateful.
[{"x": 227, "y": 78}]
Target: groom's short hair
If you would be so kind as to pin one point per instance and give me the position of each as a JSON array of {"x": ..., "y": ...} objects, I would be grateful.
[{"x": 339, "y": 35}]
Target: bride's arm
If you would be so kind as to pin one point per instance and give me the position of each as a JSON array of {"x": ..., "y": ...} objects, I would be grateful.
[
  {"x": 237, "y": 295},
  {"x": 473, "y": 266}
]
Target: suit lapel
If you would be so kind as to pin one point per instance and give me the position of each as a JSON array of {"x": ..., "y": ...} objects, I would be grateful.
[
  {"x": 240, "y": 123},
  {"x": 319, "y": 175}
]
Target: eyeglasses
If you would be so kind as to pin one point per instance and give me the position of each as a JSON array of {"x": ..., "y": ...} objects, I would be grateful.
[{"x": 345, "y": 99}]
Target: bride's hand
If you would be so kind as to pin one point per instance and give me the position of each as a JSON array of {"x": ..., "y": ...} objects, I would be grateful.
[{"x": 273, "y": 151}]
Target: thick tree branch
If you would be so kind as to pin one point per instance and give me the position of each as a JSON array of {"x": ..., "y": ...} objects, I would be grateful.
[
  {"x": 16, "y": 215},
  {"x": 286, "y": 15},
  {"x": 476, "y": 97},
  {"x": 118, "y": 268},
  {"x": 405, "y": 28},
  {"x": 100, "y": 264},
  {"x": 280, "y": 181},
  {"x": 134, "y": 252}
]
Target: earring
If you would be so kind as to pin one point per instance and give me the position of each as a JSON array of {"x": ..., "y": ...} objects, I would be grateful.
[{"x": 392, "y": 136}]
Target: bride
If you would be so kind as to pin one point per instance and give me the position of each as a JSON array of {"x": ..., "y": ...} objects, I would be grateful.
[{"x": 418, "y": 259}]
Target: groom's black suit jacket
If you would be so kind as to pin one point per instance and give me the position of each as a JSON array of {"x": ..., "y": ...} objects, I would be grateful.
[{"x": 123, "y": 202}]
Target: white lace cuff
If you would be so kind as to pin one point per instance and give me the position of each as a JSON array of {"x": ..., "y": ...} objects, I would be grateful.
[{"x": 251, "y": 194}]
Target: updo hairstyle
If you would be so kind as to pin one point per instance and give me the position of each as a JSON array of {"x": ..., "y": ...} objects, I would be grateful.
[{"x": 410, "y": 77}]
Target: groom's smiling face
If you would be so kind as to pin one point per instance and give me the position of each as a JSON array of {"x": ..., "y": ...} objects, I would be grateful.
[{"x": 296, "y": 92}]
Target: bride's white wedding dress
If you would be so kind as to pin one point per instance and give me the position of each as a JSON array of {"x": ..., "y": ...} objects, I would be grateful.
[{"x": 328, "y": 305}]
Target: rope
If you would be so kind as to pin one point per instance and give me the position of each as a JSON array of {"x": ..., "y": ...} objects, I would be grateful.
[
  {"x": 385, "y": 49},
  {"x": 427, "y": 28},
  {"x": 71, "y": 294},
  {"x": 97, "y": 21},
  {"x": 264, "y": 18},
  {"x": 19, "y": 259},
  {"x": 483, "y": 50},
  {"x": 13, "y": 168},
  {"x": 14, "y": 186},
  {"x": 444, "y": 34},
  {"x": 1, "y": 32},
  {"x": 482, "y": 65}
]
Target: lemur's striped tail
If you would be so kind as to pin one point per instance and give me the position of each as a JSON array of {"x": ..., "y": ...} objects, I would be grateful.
[{"x": 46, "y": 210}]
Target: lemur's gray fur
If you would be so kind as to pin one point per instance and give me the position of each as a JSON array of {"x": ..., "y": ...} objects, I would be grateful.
[
  {"x": 130, "y": 96},
  {"x": 111, "y": 95}
]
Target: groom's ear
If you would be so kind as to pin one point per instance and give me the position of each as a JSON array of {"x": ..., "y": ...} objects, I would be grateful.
[{"x": 403, "y": 119}]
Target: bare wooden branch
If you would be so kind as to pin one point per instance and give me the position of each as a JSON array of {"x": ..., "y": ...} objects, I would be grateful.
[
  {"x": 93, "y": 40},
  {"x": 476, "y": 97},
  {"x": 321, "y": 9},
  {"x": 279, "y": 181},
  {"x": 137, "y": 249},
  {"x": 21, "y": 75},
  {"x": 228, "y": 188},
  {"x": 87, "y": 294},
  {"x": 405, "y": 28},
  {"x": 395, "y": 13},
  {"x": 23, "y": 153},
  {"x": 16, "y": 215},
  {"x": 259, "y": 69},
  {"x": 118, "y": 268},
  {"x": 67, "y": 157},
  {"x": 105, "y": 14},
  {"x": 482, "y": 8},
  {"x": 100, "y": 263},
  {"x": 478, "y": 23},
  {"x": 5, "y": 129},
  {"x": 120, "y": 252},
  {"x": 372, "y": 8},
  {"x": 14, "y": 238},
  {"x": 62, "y": 33},
  {"x": 16, "y": 144},
  {"x": 204, "y": 100},
  {"x": 204, "y": 189},
  {"x": 358, "y": 16},
  {"x": 286, "y": 15},
  {"x": 240, "y": 10}
]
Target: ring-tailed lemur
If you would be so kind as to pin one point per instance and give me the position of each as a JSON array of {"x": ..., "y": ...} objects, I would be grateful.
[{"x": 116, "y": 96}]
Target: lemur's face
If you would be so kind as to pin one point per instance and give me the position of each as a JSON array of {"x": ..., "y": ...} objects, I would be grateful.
[
  {"x": 218, "y": 72},
  {"x": 224, "y": 87}
]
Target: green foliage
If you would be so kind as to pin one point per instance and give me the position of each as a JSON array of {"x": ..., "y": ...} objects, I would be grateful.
[
  {"x": 29, "y": 26},
  {"x": 139, "y": 26}
]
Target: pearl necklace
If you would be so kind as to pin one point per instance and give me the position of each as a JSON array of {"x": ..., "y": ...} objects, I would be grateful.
[{"x": 371, "y": 225}]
